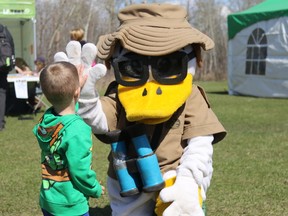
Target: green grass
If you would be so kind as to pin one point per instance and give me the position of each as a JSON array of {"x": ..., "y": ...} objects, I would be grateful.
[{"x": 250, "y": 164}]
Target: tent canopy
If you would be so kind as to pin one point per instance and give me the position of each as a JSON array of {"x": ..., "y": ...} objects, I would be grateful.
[
  {"x": 17, "y": 9},
  {"x": 258, "y": 50},
  {"x": 266, "y": 10}
]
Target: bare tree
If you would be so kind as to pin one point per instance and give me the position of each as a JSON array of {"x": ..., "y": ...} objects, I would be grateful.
[
  {"x": 205, "y": 16},
  {"x": 99, "y": 17},
  {"x": 239, "y": 5}
]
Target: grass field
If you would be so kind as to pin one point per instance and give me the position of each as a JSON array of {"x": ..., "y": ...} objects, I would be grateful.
[{"x": 250, "y": 165}]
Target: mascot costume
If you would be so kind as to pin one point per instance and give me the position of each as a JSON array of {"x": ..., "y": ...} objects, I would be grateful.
[{"x": 160, "y": 127}]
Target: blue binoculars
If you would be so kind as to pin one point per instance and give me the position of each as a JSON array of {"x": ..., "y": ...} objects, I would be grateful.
[{"x": 148, "y": 177}]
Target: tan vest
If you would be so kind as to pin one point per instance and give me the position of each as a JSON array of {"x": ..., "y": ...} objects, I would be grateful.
[{"x": 194, "y": 118}]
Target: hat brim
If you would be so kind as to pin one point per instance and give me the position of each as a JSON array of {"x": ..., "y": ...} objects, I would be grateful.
[{"x": 151, "y": 40}]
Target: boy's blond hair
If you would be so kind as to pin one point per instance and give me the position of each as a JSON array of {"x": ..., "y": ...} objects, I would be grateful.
[
  {"x": 77, "y": 34},
  {"x": 59, "y": 82}
]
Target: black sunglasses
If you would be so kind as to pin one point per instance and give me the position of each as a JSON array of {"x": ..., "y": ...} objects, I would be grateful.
[{"x": 132, "y": 69}]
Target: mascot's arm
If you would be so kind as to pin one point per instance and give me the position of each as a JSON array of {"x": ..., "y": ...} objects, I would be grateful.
[
  {"x": 92, "y": 113},
  {"x": 197, "y": 158},
  {"x": 90, "y": 108},
  {"x": 193, "y": 177}
]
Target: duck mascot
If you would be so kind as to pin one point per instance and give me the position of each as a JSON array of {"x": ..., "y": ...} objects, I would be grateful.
[{"x": 159, "y": 124}]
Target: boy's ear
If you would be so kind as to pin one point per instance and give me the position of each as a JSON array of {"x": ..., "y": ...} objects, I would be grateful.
[{"x": 77, "y": 93}]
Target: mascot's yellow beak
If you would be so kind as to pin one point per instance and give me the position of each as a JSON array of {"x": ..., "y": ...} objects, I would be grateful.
[{"x": 154, "y": 103}]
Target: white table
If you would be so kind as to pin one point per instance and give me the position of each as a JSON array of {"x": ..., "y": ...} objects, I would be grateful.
[
  {"x": 28, "y": 78},
  {"x": 21, "y": 83}
]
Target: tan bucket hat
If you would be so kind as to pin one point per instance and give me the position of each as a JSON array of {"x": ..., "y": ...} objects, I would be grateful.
[{"x": 153, "y": 30}]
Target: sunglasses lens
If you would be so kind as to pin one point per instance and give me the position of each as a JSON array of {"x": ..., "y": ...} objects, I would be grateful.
[
  {"x": 170, "y": 69},
  {"x": 131, "y": 70}
]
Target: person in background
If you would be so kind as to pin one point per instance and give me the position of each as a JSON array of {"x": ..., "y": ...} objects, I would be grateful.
[
  {"x": 66, "y": 146},
  {"x": 22, "y": 67},
  {"x": 3, "y": 89},
  {"x": 77, "y": 34},
  {"x": 40, "y": 64},
  {"x": 5, "y": 68}
]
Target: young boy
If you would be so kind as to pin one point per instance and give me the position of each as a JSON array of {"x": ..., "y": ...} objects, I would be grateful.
[{"x": 65, "y": 141}]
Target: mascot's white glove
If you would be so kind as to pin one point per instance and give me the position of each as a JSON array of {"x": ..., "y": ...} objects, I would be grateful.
[
  {"x": 90, "y": 107},
  {"x": 192, "y": 176},
  {"x": 85, "y": 57},
  {"x": 197, "y": 158},
  {"x": 184, "y": 195}
]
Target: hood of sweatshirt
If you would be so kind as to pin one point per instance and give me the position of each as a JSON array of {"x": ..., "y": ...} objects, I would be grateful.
[{"x": 51, "y": 125}]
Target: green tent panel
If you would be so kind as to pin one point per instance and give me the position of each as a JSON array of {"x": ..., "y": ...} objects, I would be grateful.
[
  {"x": 17, "y": 9},
  {"x": 266, "y": 10}
]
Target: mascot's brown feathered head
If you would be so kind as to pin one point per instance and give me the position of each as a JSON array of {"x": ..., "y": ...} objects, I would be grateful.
[{"x": 150, "y": 53}]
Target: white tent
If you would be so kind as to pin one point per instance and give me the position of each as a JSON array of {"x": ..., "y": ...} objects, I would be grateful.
[{"x": 258, "y": 50}]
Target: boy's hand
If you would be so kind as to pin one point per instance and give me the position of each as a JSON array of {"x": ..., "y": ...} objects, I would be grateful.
[
  {"x": 82, "y": 77},
  {"x": 103, "y": 190}
]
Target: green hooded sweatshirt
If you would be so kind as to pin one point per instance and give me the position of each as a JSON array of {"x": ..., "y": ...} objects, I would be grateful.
[{"x": 66, "y": 145}]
